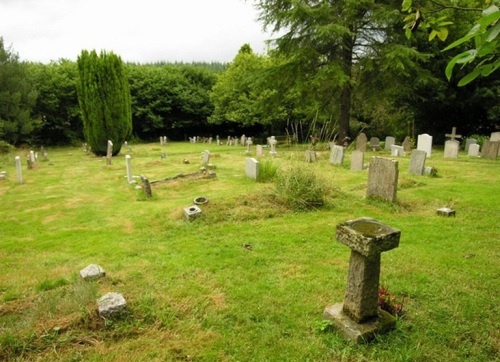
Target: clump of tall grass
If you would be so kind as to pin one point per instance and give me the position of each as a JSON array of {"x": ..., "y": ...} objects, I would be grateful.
[
  {"x": 267, "y": 171},
  {"x": 301, "y": 188}
]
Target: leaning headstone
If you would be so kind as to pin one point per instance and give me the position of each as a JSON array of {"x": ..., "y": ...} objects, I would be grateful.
[
  {"x": 19, "y": 170},
  {"x": 473, "y": 150},
  {"x": 109, "y": 154},
  {"x": 397, "y": 151},
  {"x": 361, "y": 141},
  {"x": 430, "y": 171},
  {"x": 424, "y": 143},
  {"x": 468, "y": 142},
  {"x": 389, "y": 141},
  {"x": 357, "y": 160},
  {"x": 259, "y": 151},
  {"x": 337, "y": 155},
  {"x": 206, "y": 157},
  {"x": 490, "y": 149},
  {"x": 383, "y": 178},
  {"x": 407, "y": 144},
  {"x": 451, "y": 149},
  {"x": 375, "y": 144},
  {"x": 310, "y": 156},
  {"x": 128, "y": 165},
  {"x": 417, "y": 162},
  {"x": 146, "y": 186},
  {"x": 252, "y": 168},
  {"x": 111, "y": 305},
  {"x": 92, "y": 272},
  {"x": 359, "y": 318}
]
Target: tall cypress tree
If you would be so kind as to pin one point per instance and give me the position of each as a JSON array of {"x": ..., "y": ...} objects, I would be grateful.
[{"x": 105, "y": 102}]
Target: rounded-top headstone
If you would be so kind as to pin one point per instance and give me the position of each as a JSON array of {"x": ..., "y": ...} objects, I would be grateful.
[
  {"x": 92, "y": 272},
  {"x": 111, "y": 305}
]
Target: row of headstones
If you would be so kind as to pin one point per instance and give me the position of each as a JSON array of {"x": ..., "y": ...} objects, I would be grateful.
[
  {"x": 390, "y": 144},
  {"x": 32, "y": 158}
]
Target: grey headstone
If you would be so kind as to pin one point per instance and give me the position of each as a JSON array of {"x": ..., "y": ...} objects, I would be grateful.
[
  {"x": 495, "y": 136},
  {"x": 361, "y": 141},
  {"x": 92, "y": 272},
  {"x": 407, "y": 144},
  {"x": 206, "y": 157},
  {"x": 468, "y": 142},
  {"x": 252, "y": 168},
  {"x": 397, "y": 151},
  {"x": 383, "y": 178},
  {"x": 451, "y": 148},
  {"x": 375, "y": 144},
  {"x": 337, "y": 155},
  {"x": 111, "y": 305},
  {"x": 473, "y": 150},
  {"x": 424, "y": 143},
  {"x": 310, "y": 156},
  {"x": 259, "y": 151},
  {"x": 357, "y": 160},
  {"x": 389, "y": 141},
  {"x": 417, "y": 162},
  {"x": 490, "y": 149}
]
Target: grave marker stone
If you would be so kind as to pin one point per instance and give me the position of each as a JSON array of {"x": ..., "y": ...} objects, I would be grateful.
[
  {"x": 361, "y": 141},
  {"x": 109, "y": 153},
  {"x": 357, "y": 160},
  {"x": 473, "y": 150},
  {"x": 490, "y": 149},
  {"x": 383, "y": 178},
  {"x": 375, "y": 144},
  {"x": 389, "y": 141},
  {"x": 337, "y": 155},
  {"x": 424, "y": 143},
  {"x": 272, "y": 142},
  {"x": 417, "y": 162},
  {"x": 259, "y": 151},
  {"x": 407, "y": 144},
  {"x": 128, "y": 165},
  {"x": 92, "y": 272},
  {"x": 495, "y": 136},
  {"x": 146, "y": 186},
  {"x": 252, "y": 168},
  {"x": 451, "y": 149},
  {"x": 206, "y": 157},
  {"x": 468, "y": 142},
  {"x": 111, "y": 305},
  {"x": 310, "y": 156},
  {"x": 397, "y": 151}
]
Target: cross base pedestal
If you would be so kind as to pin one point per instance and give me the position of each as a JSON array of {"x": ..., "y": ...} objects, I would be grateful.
[{"x": 359, "y": 332}]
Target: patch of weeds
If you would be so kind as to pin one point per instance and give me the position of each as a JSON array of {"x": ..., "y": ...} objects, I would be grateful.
[
  {"x": 408, "y": 183},
  {"x": 387, "y": 302},
  {"x": 267, "y": 171},
  {"x": 51, "y": 284},
  {"x": 324, "y": 326},
  {"x": 301, "y": 188}
]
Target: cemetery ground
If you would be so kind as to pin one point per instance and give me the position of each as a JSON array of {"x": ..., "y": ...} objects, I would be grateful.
[{"x": 249, "y": 279}]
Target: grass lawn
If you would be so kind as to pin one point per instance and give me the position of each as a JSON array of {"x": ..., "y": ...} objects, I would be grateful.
[{"x": 250, "y": 278}]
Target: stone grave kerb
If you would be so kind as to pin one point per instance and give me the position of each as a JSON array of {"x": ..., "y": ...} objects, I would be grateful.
[{"x": 359, "y": 317}]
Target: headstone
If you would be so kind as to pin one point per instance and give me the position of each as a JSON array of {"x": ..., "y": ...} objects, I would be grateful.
[
  {"x": 337, "y": 155},
  {"x": 161, "y": 140},
  {"x": 146, "y": 186},
  {"x": 359, "y": 318},
  {"x": 490, "y": 149},
  {"x": 272, "y": 143},
  {"x": 111, "y": 305},
  {"x": 445, "y": 211},
  {"x": 430, "y": 171},
  {"x": 210, "y": 140},
  {"x": 397, "y": 151},
  {"x": 243, "y": 140},
  {"x": 357, "y": 160},
  {"x": 252, "y": 168},
  {"x": 249, "y": 143},
  {"x": 92, "y": 272},
  {"x": 389, "y": 141},
  {"x": 163, "y": 155},
  {"x": 407, "y": 144},
  {"x": 473, "y": 150},
  {"x": 495, "y": 136},
  {"x": 32, "y": 157},
  {"x": 310, "y": 156},
  {"x": 109, "y": 154},
  {"x": 383, "y": 178},
  {"x": 424, "y": 143},
  {"x": 259, "y": 151},
  {"x": 451, "y": 149},
  {"x": 468, "y": 142},
  {"x": 417, "y": 162},
  {"x": 375, "y": 144},
  {"x": 192, "y": 212},
  {"x": 3, "y": 174},
  {"x": 361, "y": 141},
  {"x": 19, "y": 170},
  {"x": 206, "y": 157},
  {"x": 128, "y": 165}
]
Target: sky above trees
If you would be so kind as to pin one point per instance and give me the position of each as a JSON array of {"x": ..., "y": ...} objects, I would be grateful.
[{"x": 139, "y": 31}]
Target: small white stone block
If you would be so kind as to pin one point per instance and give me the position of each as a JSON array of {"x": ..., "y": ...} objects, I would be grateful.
[
  {"x": 111, "y": 305},
  {"x": 192, "y": 212},
  {"x": 445, "y": 211},
  {"x": 92, "y": 272}
]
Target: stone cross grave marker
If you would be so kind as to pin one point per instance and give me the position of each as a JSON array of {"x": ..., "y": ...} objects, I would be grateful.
[
  {"x": 252, "y": 168},
  {"x": 337, "y": 155},
  {"x": 359, "y": 317},
  {"x": 109, "y": 154},
  {"x": 383, "y": 178},
  {"x": 452, "y": 146},
  {"x": 389, "y": 141},
  {"x": 417, "y": 162},
  {"x": 473, "y": 150},
  {"x": 361, "y": 141},
  {"x": 357, "y": 160},
  {"x": 19, "y": 170},
  {"x": 424, "y": 143}
]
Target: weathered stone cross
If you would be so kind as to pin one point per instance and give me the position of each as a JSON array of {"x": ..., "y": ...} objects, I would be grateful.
[{"x": 453, "y": 134}]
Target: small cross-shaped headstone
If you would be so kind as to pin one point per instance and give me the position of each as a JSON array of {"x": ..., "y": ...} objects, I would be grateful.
[{"x": 453, "y": 134}]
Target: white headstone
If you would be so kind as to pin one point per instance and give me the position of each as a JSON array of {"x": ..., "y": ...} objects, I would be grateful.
[
  {"x": 337, "y": 155},
  {"x": 389, "y": 141},
  {"x": 468, "y": 142},
  {"x": 357, "y": 160},
  {"x": 272, "y": 142},
  {"x": 397, "y": 151},
  {"x": 252, "y": 168},
  {"x": 128, "y": 164},
  {"x": 109, "y": 153},
  {"x": 19, "y": 170},
  {"x": 451, "y": 149},
  {"x": 473, "y": 150},
  {"x": 424, "y": 143},
  {"x": 495, "y": 136},
  {"x": 259, "y": 151},
  {"x": 310, "y": 156},
  {"x": 206, "y": 157},
  {"x": 32, "y": 156}
]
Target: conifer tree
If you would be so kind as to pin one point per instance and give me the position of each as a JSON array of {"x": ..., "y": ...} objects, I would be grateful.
[{"x": 105, "y": 102}]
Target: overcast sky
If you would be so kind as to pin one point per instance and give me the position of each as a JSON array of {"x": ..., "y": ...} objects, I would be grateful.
[{"x": 138, "y": 30}]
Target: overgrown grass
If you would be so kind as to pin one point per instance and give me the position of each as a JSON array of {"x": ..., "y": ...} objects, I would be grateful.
[{"x": 249, "y": 279}]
